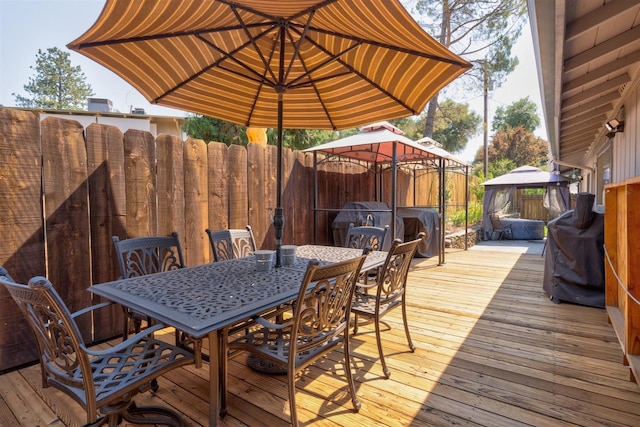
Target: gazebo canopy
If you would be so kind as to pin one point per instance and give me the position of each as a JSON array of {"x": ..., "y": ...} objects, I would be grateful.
[
  {"x": 375, "y": 144},
  {"x": 527, "y": 177}
]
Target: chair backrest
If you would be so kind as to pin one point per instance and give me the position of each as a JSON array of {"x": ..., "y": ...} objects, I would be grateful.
[
  {"x": 231, "y": 243},
  {"x": 323, "y": 305},
  {"x": 362, "y": 236},
  {"x": 392, "y": 279},
  {"x": 64, "y": 361},
  {"x": 495, "y": 222},
  {"x": 140, "y": 256}
]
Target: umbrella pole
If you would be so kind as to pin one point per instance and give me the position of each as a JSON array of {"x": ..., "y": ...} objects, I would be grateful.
[
  {"x": 278, "y": 219},
  {"x": 394, "y": 205}
]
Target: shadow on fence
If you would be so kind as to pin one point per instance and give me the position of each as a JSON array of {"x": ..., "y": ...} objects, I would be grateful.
[{"x": 65, "y": 190}]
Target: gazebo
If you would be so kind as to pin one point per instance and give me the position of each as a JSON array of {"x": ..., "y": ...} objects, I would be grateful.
[
  {"x": 499, "y": 191},
  {"x": 382, "y": 148}
]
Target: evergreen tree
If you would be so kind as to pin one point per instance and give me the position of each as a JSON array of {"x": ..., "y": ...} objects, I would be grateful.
[
  {"x": 455, "y": 125},
  {"x": 56, "y": 84}
]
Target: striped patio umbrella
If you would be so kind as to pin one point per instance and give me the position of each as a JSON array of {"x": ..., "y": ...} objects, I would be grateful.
[{"x": 295, "y": 64}]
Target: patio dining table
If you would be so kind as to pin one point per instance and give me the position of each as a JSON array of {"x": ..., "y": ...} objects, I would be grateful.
[{"x": 204, "y": 300}]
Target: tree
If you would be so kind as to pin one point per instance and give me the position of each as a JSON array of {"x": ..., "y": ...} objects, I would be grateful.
[
  {"x": 454, "y": 125},
  {"x": 512, "y": 148},
  {"x": 482, "y": 32},
  {"x": 411, "y": 127},
  {"x": 56, "y": 84},
  {"x": 300, "y": 139},
  {"x": 209, "y": 129},
  {"x": 520, "y": 113}
]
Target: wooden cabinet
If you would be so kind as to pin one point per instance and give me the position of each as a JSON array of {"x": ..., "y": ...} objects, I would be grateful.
[{"x": 622, "y": 267}]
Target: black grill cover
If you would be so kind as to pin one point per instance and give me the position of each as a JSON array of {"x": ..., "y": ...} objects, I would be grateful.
[
  {"x": 361, "y": 213},
  {"x": 574, "y": 259}
]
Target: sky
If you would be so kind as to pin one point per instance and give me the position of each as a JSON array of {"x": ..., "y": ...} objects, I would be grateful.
[{"x": 29, "y": 25}]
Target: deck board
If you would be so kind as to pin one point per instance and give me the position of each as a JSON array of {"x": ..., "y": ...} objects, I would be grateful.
[{"x": 492, "y": 349}]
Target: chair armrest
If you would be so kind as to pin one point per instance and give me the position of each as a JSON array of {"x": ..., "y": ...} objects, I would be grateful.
[
  {"x": 360, "y": 287},
  {"x": 124, "y": 344},
  {"x": 267, "y": 324},
  {"x": 90, "y": 309},
  {"x": 363, "y": 297}
]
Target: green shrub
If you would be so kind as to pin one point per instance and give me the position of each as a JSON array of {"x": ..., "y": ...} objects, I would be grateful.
[{"x": 475, "y": 215}]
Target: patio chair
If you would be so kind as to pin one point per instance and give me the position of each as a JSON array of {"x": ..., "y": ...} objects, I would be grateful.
[
  {"x": 499, "y": 228},
  {"x": 231, "y": 243},
  {"x": 104, "y": 381},
  {"x": 365, "y": 235},
  {"x": 139, "y": 256},
  {"x": 319, "y": 324},
  {"x": 390, "y": 292}
]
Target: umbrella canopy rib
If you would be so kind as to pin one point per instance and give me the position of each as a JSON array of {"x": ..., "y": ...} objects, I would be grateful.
[
  {"x": 346, "y": 62},
  {"x": 226, "y": 55}
]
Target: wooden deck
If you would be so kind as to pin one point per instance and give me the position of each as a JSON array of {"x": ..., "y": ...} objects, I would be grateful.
[{"x": 492, "y": 350}]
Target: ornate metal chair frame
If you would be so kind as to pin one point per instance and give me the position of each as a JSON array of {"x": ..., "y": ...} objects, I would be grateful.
[
  {"x": 359, "y": 237},
  {"x": 231, "y": 243},
  {"x": 320, "y": 323},
  {"x": 103, "y": 382},
  {"x": 390, "y": 292},
  {"x": 139, "y": 256}
]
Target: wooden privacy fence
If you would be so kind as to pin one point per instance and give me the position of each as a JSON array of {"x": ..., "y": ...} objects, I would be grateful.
[
  {"x": 531, "y": 206},
  {"x": 66, "y": 190}
]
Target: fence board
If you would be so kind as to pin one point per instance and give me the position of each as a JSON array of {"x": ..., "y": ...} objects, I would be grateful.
[
  {"x": 140, "y": 175},
  {"x": 170, "y": 183},
  {"x": 329, "y": 196},
  {"x": 67, "y": 212},
  {"x": 302, "y": 181},
  {"x": 218, "y": 185},
  {"x": 105, "y": 166},
  {"x": 22, "y": 251},
  {"x": 270, "y": 195},
  {"x": 426, "y": 188},
  {"x": 288, "y": 196},
  {"x": 196, "y": 207},
  {"x": 238, "y": 198},
  {"x": 257, "y": 190}
]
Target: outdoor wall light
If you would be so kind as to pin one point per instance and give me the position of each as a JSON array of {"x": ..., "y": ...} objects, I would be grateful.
[{"x": 614, "y": 126}]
